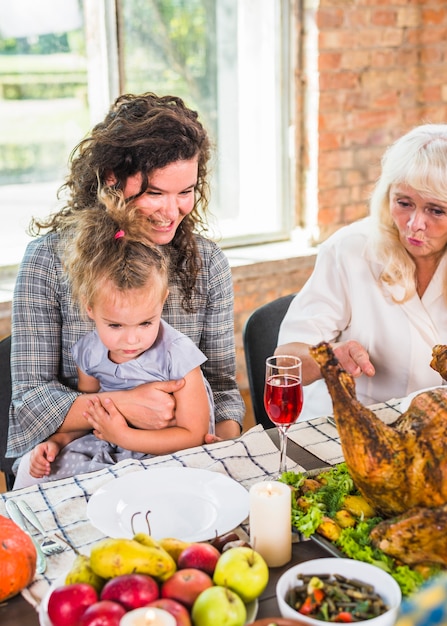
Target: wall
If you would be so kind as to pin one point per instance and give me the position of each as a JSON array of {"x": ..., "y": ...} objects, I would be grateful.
[
  {"x": 5, "y": 318},
  {"x": 254, "y": 285},
  {"x": 380, "y": 68}
]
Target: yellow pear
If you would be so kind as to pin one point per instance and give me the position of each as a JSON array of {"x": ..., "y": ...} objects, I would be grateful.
[
  {"x": 115, "y": 557},
  {"x": 173, "y": 546},
  {"x": 146, "y": 540},
  {"x": 81, "y": 572}
]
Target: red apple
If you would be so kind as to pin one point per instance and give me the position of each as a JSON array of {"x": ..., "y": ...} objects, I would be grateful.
[
  {"x": 102, "y": 613},
  {"x": 131, "y": 590},
  {"x": 202, "y": 556},
  {"x": 67, "y": 604},
  {"x": 185, "y": 585},
  {"x": 178, "y": 610}
]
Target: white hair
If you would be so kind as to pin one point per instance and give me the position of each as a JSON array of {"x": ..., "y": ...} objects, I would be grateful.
[{"x": 419, "y": 160}]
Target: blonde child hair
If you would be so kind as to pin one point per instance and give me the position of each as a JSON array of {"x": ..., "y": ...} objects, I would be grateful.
[{"x": 107, "y": 245}]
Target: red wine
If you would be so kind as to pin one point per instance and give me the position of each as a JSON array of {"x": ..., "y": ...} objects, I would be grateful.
[{"x": 283, "y": 399}]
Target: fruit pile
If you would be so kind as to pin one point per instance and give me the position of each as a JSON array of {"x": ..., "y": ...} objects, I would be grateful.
[{"x": 200, "y": 583}]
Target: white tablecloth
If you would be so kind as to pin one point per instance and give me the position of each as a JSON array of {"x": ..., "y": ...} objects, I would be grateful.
[{"x": 61, "y": 505}]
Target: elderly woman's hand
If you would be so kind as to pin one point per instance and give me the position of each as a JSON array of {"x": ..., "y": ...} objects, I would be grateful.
[{"x": 353, "y": 358}]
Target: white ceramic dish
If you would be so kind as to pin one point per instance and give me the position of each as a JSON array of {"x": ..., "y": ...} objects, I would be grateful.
[
  {"x": 44, "y": 620},
  {"x": 384, "y": 584},
  {"x": 182, "y": 502},
  {"x": 405, "y": 403}
]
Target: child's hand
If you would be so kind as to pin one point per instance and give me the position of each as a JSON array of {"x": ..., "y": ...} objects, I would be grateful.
[
  {"x": 106, "y": 420},
  {"x": 209, "y": 438},
  {"x": 41, "y": 458}
]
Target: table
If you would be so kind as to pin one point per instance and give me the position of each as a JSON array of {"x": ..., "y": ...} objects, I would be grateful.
[
  {"x": 17, "y": 611},
  {"x": 241, "y": 459}
]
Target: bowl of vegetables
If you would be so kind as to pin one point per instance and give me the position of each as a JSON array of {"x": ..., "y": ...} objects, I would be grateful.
[{"x": 338, "y": 590}]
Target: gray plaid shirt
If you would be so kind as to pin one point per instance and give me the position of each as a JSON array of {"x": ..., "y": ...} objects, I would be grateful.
[{"x": 45, "y": 326}]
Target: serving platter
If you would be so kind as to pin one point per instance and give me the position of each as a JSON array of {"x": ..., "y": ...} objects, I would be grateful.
[
  {"x": 408, "y": 576},
  {"x": 182, "y": 502},
  {"x": 328, "y": 546}
]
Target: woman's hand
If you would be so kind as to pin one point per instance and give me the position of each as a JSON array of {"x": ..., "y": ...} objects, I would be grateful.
[
  {"x": 150, "y": 406},
  {"x": 353, "y": 357}
]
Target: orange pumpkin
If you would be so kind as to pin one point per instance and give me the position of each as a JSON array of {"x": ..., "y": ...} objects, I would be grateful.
[{"x": 17, "y": 557}]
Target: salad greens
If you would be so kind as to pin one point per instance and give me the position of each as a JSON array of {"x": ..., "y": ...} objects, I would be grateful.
[{"x": 312, "y": 506}]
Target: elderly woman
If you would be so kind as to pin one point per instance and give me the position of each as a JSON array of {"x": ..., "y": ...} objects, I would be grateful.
[{"x": 379, "y": 287}]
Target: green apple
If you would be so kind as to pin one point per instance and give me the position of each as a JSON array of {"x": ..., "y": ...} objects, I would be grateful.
[
  {"x": 244, "y": 571},
  {"x": 218, "y": 606}
]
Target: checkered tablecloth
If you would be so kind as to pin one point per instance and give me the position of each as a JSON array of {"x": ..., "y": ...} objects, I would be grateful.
[{"x": 61, "y": 506}]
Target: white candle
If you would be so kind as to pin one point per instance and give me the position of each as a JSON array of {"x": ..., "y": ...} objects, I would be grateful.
[
  {"x": 270, "y": 522},
  {"x": 148, "y": 616}
]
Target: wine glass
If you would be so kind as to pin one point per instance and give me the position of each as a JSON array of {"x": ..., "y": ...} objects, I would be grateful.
[{"x": 283, "y": 398}]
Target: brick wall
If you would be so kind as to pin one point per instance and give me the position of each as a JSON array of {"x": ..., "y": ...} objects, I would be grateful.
[{"x": 382, "y": 69}]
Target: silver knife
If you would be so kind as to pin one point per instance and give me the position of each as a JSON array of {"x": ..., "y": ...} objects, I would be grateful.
[{"x": 15, "y": 514}]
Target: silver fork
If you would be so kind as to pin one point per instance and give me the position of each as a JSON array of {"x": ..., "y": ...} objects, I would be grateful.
[{"x": 49, "y": 545}]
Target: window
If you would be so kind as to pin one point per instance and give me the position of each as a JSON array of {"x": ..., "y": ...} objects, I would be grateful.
[{"x": 229, "y": 59}]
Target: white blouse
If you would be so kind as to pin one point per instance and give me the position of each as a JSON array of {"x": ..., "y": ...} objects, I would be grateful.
[{"x": 343, "y": 300}]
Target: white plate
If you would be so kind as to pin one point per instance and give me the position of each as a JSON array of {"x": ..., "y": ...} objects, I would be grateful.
[
  {"x": 44, "y": 620},
  {"x": 405, "y": 403},
  {"x": 182, "y": 502}
]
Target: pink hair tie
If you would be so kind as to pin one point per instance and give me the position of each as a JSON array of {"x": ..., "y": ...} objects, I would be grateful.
[{"x": 119, "y": 234}]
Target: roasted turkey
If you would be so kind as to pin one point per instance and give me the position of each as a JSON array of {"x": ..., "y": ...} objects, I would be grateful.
[
  {"x": 417, "y": 536},
  {"x": 400, "y": 468},
  {"x": 439, "y": 360}
]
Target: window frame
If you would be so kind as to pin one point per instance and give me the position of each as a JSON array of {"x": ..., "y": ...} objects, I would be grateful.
[
  {"x": 105, "y": 78},
  {"x": 103, "y": 24}
]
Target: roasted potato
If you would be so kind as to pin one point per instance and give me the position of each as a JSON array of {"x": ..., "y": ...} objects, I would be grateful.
[
  {"x": 310, "y": 484},
  {"x": 358, "y": 506},
  {"x": 329, "y": 529},
  {"x": 345, "y": 519}
]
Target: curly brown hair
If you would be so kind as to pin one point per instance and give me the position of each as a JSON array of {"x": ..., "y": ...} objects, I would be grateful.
[{"x": 141, "y": 134}]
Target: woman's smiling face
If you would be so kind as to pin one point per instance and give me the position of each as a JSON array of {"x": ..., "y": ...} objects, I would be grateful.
[
  {"x": 420, "y": 220},
  {"x": 168, "y": 199}
]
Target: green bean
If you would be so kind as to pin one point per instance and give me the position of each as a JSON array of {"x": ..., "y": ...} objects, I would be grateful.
[{"x": 341, "y": 594}]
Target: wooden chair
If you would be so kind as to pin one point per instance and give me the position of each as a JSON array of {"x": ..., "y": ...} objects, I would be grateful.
[
  {"x": 5, "y": 400},
  {"x": 260, "y": 337}
]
